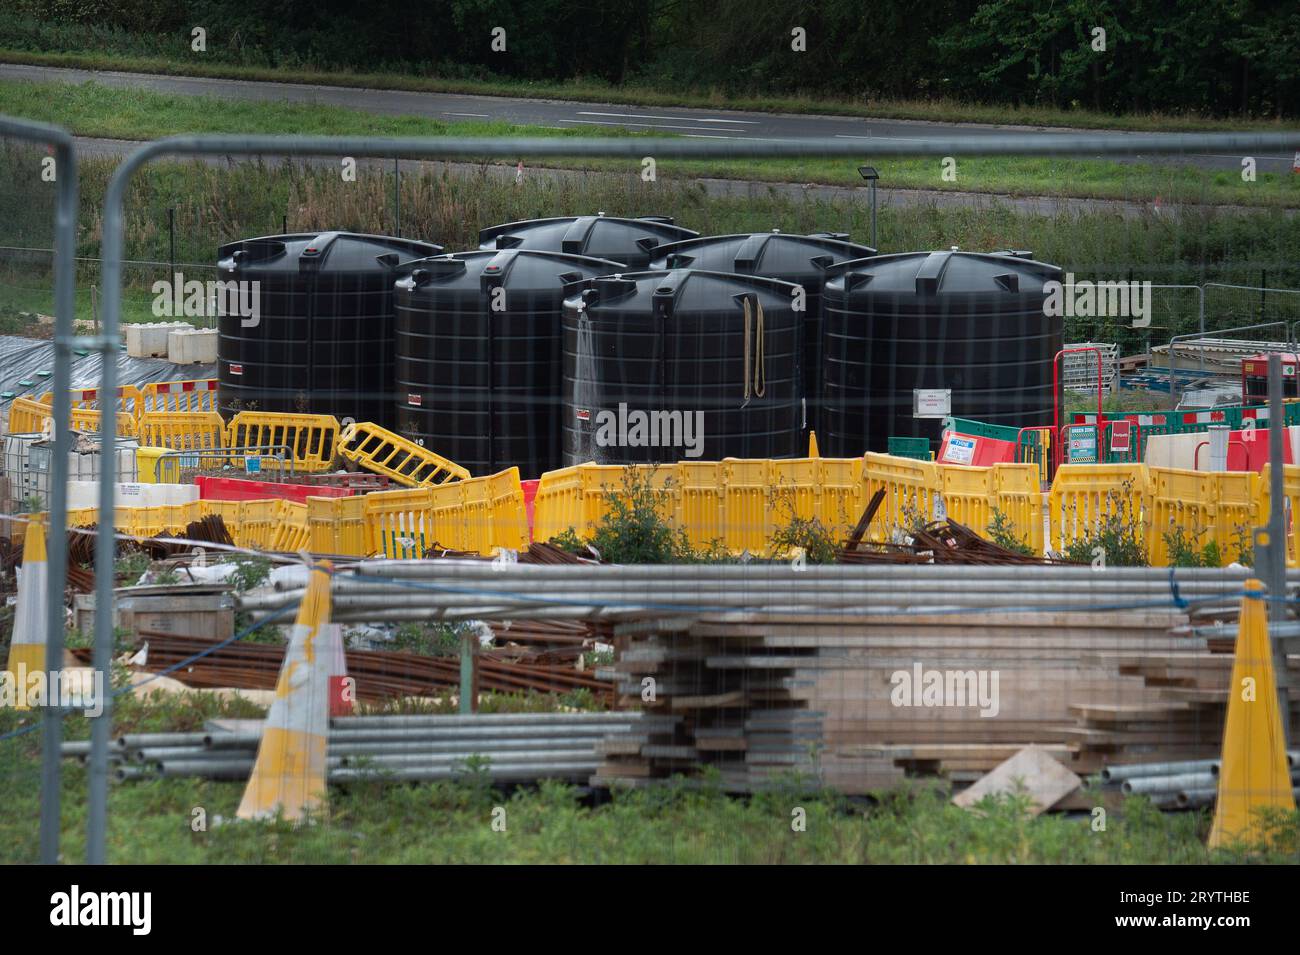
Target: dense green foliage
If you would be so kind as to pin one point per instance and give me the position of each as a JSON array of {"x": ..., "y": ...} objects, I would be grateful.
[{"x": 1216, "y": 58}]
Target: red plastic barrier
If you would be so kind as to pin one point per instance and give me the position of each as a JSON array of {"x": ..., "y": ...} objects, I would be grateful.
[
  {"x": 975, "y": 451},
  {"x": 530, "y": 492},
  {"x": 1248, "y": 450},
  {"x": 238, "y": 489}
]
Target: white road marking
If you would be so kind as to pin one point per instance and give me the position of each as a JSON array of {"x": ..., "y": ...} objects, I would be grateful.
[
  {"x": 693, "y": 119},
  {"x": 447, "y": 112},
  {"x": 597, "y": 122}
]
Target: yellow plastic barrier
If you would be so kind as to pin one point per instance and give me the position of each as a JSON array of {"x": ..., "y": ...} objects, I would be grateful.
[
  {"x": 199, "y": 395},
  {"x": 291, "y": 533},
  {"x": 1018, "y": 496},
  {"x": 841, "y": 499},
  {"x": 557, "y": 505},
  {"x": 383, "y": 452},
  {"x": 310, "y": 438},
  {"x": 128, "y": 399},
  {"x": 479, "y": 514},
  {"x": 1182, "y": 502},
  {"x": 747, "y": 504},
  {"x": 87, "y": 419},
  {"x": 1239, "y": 512},
  {"x": 1291, "y": 491},
  {"x": 399, "y": 524},
  {"x": 1084, "y": 495},
  {"x": 912, "y": 490},
  {"x": 701, "y": 504},
  {"x": 337, "y": 525},
  {"x": 28, "y": 416},
  {"x": 182, "y": 430},
  {"x": 968, "y": 495}
]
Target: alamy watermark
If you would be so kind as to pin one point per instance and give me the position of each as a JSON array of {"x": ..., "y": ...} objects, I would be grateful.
[
  {"x": 650, "y": 429},
  {"x": 1087, "y": 299},
  {"x": 177, "y": 298},
  {"x": 60, "y": 688},
  {"x": 948, "y": 688}
]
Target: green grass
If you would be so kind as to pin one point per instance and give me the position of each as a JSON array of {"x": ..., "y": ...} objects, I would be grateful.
[
  {"x": 936, "y": 110},
  {"x": 98, "y": 111},
  {"x": 376, "y": 822},
  {"x": 214, "y": 204}
]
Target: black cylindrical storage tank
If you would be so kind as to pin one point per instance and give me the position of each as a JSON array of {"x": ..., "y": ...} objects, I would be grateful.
[
  {"x": 631, "y": 242},
  {"x": 800, "y": 259},
  {"x": 675, "y": 365},
  {"x": 972, "y": 323},
  {"x": 321, "y": 341},
  {"x": 478, "y": 355}
]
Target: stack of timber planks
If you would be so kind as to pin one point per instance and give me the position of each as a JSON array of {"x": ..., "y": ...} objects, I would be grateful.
[{"x": 828, "y": 695}]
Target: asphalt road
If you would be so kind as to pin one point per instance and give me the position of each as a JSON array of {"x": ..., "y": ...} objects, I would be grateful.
[{"x": 696, "y": 123}]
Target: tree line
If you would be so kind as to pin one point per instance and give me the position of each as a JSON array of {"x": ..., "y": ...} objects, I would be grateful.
[{"x": 1212, "y": 57}]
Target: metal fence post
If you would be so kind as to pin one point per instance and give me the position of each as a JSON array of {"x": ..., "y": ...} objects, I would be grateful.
[
  {"x": 56, "y": 544},
  {"x": 1277, "y": 542}
]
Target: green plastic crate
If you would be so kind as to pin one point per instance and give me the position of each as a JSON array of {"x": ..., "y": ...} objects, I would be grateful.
[{"x": 918, "y": 448}]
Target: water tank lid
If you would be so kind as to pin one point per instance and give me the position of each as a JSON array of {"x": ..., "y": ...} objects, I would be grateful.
[
  {"x": 514, "y": 268},
  {"x": 322, "y": 251},
  {"x": 771, "y": 253},
  {"x": 576, "y": 234},
  {"x": 926, "y": 274}
]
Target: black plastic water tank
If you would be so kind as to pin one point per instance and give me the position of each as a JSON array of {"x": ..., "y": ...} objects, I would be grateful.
[
  {"x": 674, "y": 365},
  {"x": 478, "y": 355},
  {"x": 964, "y": 321},
  {"x": 322, "y": 341},
  {"x": 800, "y": 259},
  {"x": 630, "y": 241}
]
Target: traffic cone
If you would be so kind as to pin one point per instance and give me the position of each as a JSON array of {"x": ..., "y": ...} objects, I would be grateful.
[
  {"x": 1253, "y": 772},
  {"x": 290, "y": 772},
  {"x": 812, "y": 445},
  {"x": 27, "y": 648}
]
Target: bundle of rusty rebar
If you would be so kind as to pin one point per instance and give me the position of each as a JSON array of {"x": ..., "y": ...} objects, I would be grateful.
[{"x": 380, "y": 674}]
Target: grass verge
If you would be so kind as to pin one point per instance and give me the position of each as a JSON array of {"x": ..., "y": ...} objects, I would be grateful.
[
  {"x": 154, "y": 821},
  {"x": 95, "y": 110},
  {"x": 586, "y": 91}
]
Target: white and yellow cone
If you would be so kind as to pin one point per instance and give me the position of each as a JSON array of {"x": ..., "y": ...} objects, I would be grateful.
[
  {"x": 1253, "y": 771},
  {"x": 27, "y": 649},
  {"x": 290, "y": 773}
]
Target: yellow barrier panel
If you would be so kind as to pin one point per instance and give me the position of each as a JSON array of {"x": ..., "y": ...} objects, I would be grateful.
[
  {"x": 199, "y": 395},
  {"x": 128, "y": 399},
  {"x": 912, "y": 491},
  {"x": 968, "y": 495},
  {"x": 701, "y": 503},
  {"x": 1017, "y": 494},
  {"x": 310, "y": 438},
  {"x": 1084, "y": 495},
  {"x": 746, "y": 489},
  {"x": 291, "y": 533},
  {"x": 27, "y": 416},
  {"x": 383, "y": 452},
  {"x": 557, "y": 505},
  {"x": 1183, "y": 504},
  {"x": 182, "y": 430},
  {"x": 479, "y": 514},
  {"x": 841, "y": 501},
  {"x": 1239, "y": 513},
  {"x": 87, "y": 419},
  {"x": 337, "y": 525},
  {"x": 1291, "y": 518},
  {"x": 399, "y": 523}
]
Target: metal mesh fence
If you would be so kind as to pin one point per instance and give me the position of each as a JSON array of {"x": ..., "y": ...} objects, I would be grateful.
[{"x": 761, "y": 711}]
